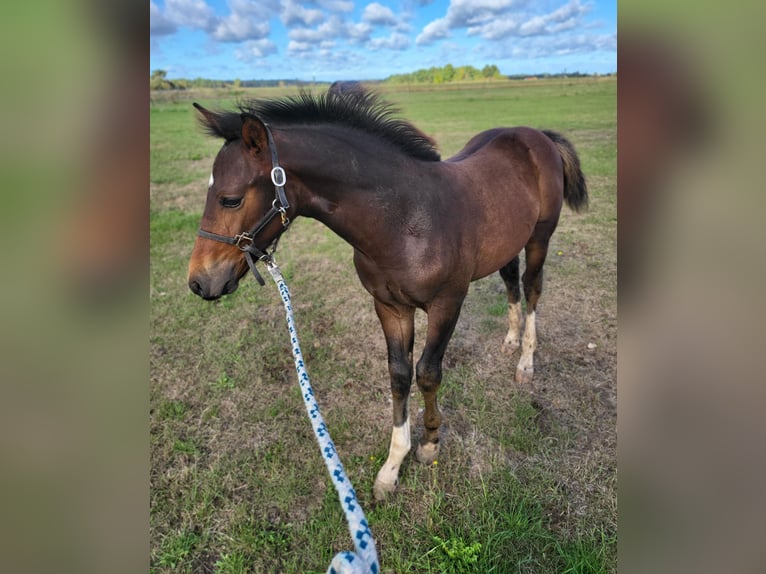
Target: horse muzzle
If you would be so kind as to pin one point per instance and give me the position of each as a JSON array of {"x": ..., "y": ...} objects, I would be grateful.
[{"x": 211, "y": 287}]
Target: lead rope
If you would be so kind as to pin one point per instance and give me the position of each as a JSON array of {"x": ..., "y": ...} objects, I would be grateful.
[{"x": 365, "y": 559}]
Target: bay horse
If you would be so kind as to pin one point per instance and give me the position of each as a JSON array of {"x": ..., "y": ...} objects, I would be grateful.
[{"x": 422, "y": 229}]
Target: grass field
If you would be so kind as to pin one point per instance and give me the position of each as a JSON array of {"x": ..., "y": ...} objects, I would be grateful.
[{"x": 526, "y": 478}]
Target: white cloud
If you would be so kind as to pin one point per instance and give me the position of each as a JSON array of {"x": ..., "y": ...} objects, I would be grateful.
[
  {"x": 359, "y": 32},
  {"x": 564, "y": 18},
  {"x": 235, "y": 29},
  {"x": 332, "y": 29},
  {"x": 295, "y": 47},
  {"x": 533, "y": 26},
  {"x": 496, "y": 29},
  {"x": 433, "y": 31},
  {"x": 294, "y": 12},
  {"x": 395, "y": 41},
  {"x": 378, "y": 15},
  {"x": 159, "y": 24},
  {"x": 248, "y": 20},
  {"x": 536, "y": 47},
  {"x": 465, "y": 14},
  {"x": 574, "y": 8},
  {"x": 498, "y": 19},
  {"x": 190, "y": 13},
  {"x": 255, "y": 50}
]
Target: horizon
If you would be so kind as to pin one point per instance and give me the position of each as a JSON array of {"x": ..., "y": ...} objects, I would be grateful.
[
  {"x": 381, "y": 80},
  {"x": 328, "y": 40}
]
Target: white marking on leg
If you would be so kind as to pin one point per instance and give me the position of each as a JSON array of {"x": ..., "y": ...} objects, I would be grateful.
[
  {"x": 388, "y": 476},
  {"x": 513, "y": 338},
  {"x": 525, "y": 368}
]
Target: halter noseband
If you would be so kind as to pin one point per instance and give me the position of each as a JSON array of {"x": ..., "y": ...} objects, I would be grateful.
[{"x": 245, "y": 240}]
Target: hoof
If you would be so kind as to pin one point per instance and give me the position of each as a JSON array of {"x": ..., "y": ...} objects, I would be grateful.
[
  {"x": 381, "y": 490},
  {"x": 524, "y": 374},
  {"x": 427, "y": 453}
]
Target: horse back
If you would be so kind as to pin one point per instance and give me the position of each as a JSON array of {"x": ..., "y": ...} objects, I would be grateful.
[{"x": 519, "y": 164}]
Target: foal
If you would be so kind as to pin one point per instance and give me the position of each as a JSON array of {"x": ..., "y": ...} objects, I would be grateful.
[{"x": 422, "y": 229}]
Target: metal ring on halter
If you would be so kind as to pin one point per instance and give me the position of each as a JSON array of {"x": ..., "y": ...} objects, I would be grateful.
[
  {"x": 278, "y": 176},
  {"x": 282, "y": 212}
]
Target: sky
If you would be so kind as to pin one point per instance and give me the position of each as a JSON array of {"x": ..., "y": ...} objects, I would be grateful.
[{"x": 328, "y": 40}]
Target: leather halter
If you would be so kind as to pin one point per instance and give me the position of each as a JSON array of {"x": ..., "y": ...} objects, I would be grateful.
[{"x": 245, "y": 241}]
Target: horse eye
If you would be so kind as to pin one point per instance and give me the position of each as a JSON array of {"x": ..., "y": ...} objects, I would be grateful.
[{"x": 231, "y": 201}]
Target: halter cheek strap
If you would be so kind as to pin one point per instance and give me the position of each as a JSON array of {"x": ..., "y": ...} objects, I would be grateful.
[{"x": 245, "y": 241}]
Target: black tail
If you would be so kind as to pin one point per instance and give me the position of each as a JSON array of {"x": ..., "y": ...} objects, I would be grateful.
[{"x": 575, "y": 189}]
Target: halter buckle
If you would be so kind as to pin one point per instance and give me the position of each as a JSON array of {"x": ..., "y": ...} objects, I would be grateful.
[{"x": 244, "y": 236}]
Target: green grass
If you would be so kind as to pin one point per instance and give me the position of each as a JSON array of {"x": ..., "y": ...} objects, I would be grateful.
[{"x": 525, "y": 481}]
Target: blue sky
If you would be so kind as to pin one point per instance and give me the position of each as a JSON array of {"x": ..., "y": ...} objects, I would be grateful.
[{"x": 329, "y": 40}]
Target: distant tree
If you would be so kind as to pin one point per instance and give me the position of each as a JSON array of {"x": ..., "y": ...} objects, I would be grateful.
[
  {"x": 448, "y": 73},
  {"x": 490, "y": 71},
  {"x": 157, "y": 81}
]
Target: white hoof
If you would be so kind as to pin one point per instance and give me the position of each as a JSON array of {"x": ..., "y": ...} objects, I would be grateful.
[
  {"x": 427, "y": 453},
  {"x": 381, "y": 489},
  {"x": 524, "y": 374}
]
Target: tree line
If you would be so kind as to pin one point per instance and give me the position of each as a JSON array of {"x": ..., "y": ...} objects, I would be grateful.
[
  {"x": 447, "y": 74},
  {"x": 435, "y": 75},
  {"x": 158, "y": 81}
]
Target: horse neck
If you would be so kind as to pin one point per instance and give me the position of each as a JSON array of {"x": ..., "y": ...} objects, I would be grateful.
[{"x": 355, "y": 184}]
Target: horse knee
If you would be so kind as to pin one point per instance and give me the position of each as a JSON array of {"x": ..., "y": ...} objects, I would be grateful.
[
  {"x": 401, "y": 378},
  {"x": 429, "y": 376}
]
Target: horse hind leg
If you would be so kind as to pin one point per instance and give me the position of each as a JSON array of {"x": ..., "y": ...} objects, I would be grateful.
[
  {"x": 510, "y": 275},
  {"x": 536, "y": 251}
]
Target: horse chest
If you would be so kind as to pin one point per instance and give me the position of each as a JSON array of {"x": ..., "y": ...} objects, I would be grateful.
[{"x": 400, "y": 284}]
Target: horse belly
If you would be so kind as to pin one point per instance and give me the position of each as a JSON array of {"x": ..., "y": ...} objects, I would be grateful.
[{"x": 500, "y": 252}]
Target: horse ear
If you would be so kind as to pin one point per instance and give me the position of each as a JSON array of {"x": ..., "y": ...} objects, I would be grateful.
[{"x": 254, "y": 134}]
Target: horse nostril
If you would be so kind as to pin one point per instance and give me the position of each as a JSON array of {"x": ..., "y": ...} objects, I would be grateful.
[
  {"x": 230, "y": 286},
  {"x": 195, "y": 287}
]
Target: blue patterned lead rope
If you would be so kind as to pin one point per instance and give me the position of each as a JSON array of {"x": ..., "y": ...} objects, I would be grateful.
[{"x": 365, "y": 559}]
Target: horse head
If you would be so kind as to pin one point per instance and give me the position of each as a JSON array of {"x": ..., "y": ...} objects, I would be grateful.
[{"x": 240, "y": 217}]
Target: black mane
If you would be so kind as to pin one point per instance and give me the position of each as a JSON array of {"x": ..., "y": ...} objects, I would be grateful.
[{"x": 359, "y": 109}]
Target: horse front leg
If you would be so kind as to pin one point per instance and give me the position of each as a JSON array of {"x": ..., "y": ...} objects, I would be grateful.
[
  {"x": 442, "y": 318},
  {"x": 399, "y": 329}
]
